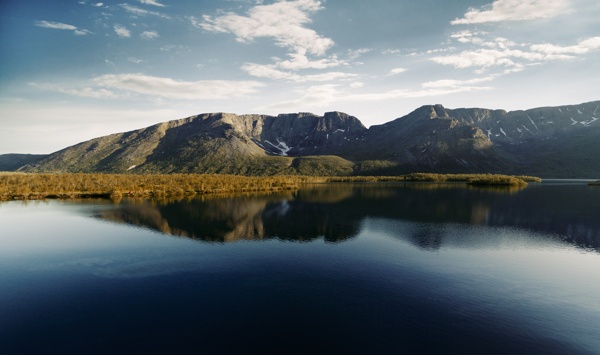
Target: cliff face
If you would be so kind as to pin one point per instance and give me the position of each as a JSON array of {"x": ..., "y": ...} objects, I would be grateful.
[{"x": 550, "y": 142}]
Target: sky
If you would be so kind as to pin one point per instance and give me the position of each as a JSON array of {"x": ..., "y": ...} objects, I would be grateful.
[{"x": 74, "y": 70}]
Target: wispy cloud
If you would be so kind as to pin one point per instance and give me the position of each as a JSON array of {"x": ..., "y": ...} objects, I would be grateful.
[
  {"x": 325, "y": 95},
  {"x": 354, "y": 54},
  {"x": 134, "y": 60},
  {"x": 504, "y": 53},
  {"x": 582, "y": 47},
  {"x": 269, "y": 71},
  {"x": 62, "y": 26},
  {"x": 138, "y": 11},
  {"x": 397, "y": 71},
  {"x": 449, "y": 83},
  {"x": 513, "y": 10},
  {"x": 152, "y": 2},
  {"x": 174, "y": 89},
  {"x": 310, "y": 98},
  {"x": 130, "y": 86},
  {"x": 149, "y": 34},
  {"x": 122, "y": 31},
  {"x": 89, "y": 92}
]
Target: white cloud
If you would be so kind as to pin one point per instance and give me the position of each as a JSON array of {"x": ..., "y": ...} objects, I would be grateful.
[
  {"x": 270, "y": 71},
  {"x": 119, "y": 86},
  {"x": 326, "y": 95},
  {"x": 135, "y": 60},
  {"x": 412, "y": 94},
  {"x": 122, "y": 31},
  {"x": 152, "y": 2},
  {"x": 513, "y": 10},
  {"x": 173, "y": 89},
  {"x": 283, "y": 21},
  {"x": 311, "y": 98},
  {"x": 81, "y": 32},
  {"x": 299, "y": 60},
  {"x": 89, "y": 92},
  {"x": 357, "y": 85},
  {"x": 142, "y": 12},
  {"x": 62, "y": 26},
  {"x": 449, "y": 83},
  {"x": 98, "y": 4},
  {"x": 504, "y": 54},
  {"x": 149, "y": 34},
  {"x": 582, "y": 47},
  {"x": 354, "y": 54},
  {"x": 391, "y": 51},
  {"x": 468, "y": 36},
  {"x": 397, "y": 71},
  {"x": 55, "y": 25}
]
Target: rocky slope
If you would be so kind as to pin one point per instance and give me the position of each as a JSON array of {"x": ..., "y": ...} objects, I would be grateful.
[{"x": 549, "y": 142}]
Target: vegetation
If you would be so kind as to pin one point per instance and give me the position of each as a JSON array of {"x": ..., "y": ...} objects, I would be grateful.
[
  {"x": 14, "y": 186},
  {"x": 38, "y": 186},
  {"x": 594, "y": 183}
]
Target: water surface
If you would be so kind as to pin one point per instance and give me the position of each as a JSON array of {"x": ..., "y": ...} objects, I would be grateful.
[{"x": 367, "y": 268}]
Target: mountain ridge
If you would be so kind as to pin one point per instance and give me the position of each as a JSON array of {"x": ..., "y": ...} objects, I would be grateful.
[{"x": 547, "y": 141}]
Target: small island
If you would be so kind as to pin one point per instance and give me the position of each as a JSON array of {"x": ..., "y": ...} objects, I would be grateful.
[{"x": 594, "y": 183}]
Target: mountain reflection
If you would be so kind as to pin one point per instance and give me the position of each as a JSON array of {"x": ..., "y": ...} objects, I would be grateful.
[
  {"x": 335, "y": 213},
  {"x": 281, "y": 216}
]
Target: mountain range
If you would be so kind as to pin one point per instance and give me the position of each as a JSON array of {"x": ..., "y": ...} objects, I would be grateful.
[{"x": 559, "y": 142}]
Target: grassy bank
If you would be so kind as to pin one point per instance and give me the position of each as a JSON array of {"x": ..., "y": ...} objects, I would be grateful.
[
  {"x": 39, "y": 186},
  {"x": 474, "y": 179}
]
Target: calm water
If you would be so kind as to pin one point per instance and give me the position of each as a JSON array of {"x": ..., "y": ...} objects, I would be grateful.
[{"x": 354, "y": 268}]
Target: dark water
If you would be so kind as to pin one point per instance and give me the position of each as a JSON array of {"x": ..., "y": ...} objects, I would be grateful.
[{"x": 361, "y": 268}]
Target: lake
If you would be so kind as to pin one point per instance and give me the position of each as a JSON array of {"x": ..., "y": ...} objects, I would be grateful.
[{"x": 333, "y": 268}]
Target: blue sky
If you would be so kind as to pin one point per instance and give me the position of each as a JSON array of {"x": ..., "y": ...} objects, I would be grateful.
[{"x": 74, "y": 70}]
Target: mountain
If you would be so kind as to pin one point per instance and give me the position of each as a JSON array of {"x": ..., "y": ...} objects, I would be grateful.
[
  {"x": 12, "y": 162},
  {"x": 549, "y": 142}
]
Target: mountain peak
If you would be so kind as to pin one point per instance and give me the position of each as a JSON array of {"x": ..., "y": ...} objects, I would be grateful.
[{"x": 430, "y": 111}]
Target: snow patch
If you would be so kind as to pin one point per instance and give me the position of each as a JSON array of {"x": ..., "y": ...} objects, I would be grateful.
[
  {"x": 131, "y": 167},
  {"x": 595, "y": 110},
  {"x": 587, "y": 123},
  {"x": 574, "y": 122},
  {"x": 339, "y": 130},
  {"x": 579, "y": 112},
  {"x": 489, "y": 132},
  {"x": 281, "y": 146},
  {"x": 527, "y": 129},
  {"x": 533, "y": 123},
  {"x": 559, "y": 110},
  {"x": 501, "y": 130}
]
